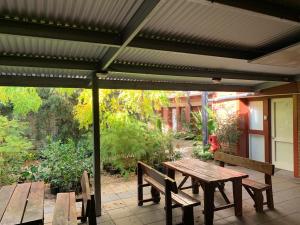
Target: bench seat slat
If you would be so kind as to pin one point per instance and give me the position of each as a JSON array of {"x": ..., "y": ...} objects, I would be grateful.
[
  {"x": 61, "y": 210},
  {"x": 35, "y": 203},
  {"x": 5, "y": 195},
  {"x": 15, "y": 208},
  {"x": 181, "y": 198},
  {"x": 255, "y": 185}
]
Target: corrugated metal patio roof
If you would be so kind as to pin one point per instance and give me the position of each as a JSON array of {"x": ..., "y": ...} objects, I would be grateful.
[{"x": 183, "y": 43}]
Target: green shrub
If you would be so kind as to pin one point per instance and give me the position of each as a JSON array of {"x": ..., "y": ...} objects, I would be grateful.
[
  {"x": 125, "y": 140},
  {"x": 63, "y": 164},
  {"x": 202, "y": 153},
  {"x": 14, "y": 146}
]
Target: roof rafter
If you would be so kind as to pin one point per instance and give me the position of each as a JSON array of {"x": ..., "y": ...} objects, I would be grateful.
[
  {"x": 198, "y": 72},
  {"x": 125, "y": 67},
  {"x": 114, "y": 40},
  {"x": 58, "y": 32},
  {"x": 30, "y": 81},
  {"x": 145, "y": 85},
  {"x": 135, "y": 24},
  {"x": 12, "y": 60},
  {"x": 265, "y": 8}
]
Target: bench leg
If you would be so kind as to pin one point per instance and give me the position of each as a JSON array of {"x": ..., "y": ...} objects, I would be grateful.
[
  {"x": 188, "y": 216},
  {"x": 155, "y": 195},
  {"x": 140, "y": 183},
  {"x": 270, "y": 202},
  {"x": 259, "y": 201}
]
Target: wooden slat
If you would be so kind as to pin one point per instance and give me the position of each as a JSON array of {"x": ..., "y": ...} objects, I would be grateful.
[
  {"x": 255, "y": 185},
  {"x": 5, "y": 195},
  {"x": 181, "y": 198},
  {"x": 35, "y": 204},
  {"x": 216, "y": 172},
  {"x": 189, "y": 172},
  {"x": 244, "y": 162},
  {"x": 86, "y": 191},
  {"x": 204, "y": 171},
  {"x": 61, "y": 210},
  {"x": 72, "y": 211},
  {"x": 154, "y": 183},
  {"x": 15, "y": 209},
  {"x": 158, "y": 176}
]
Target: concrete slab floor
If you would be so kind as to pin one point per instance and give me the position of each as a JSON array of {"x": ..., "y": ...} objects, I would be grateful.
[{"x": 119, "y": 204}]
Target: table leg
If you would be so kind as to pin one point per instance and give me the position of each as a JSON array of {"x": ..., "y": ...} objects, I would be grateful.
[
  {"x": 195, "y": 186},
  {"x": 209, "y": 190},
  {"x": 170, "y": 173},
  {"x": 237, "y": 197}
]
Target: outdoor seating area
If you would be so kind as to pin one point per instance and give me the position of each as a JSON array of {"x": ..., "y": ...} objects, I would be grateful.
[
  {"x": 120, "y": 205},
  {"x": 97, "y": 98}
]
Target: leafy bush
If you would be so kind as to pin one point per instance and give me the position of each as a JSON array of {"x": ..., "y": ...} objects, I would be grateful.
[
  {"x": 211, "y": 122},
  {"x": 126, "y": 140},
  {"x": 228, "y": 132},
  {"x": 63, "y": 164},
  {"x": 202, "y": 153},
  {"x": 14, "y": 148}
]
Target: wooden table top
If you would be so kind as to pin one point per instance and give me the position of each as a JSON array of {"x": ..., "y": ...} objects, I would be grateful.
[
  {"x": 204, "y": 171},
  {"x": 22, "y": 203}
]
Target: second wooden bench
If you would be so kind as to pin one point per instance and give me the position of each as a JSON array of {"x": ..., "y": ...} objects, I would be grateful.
[
  {"x": 254, "y": 188},
  {"x": 161, "y": 183}
]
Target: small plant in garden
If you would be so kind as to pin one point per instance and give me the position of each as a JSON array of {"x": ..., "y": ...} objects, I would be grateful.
[
  {"x": 202, "y": 152},
  {"x": 14, "y": 146},
  {"x": 63, "y": 164},
  {"x": 228, "y": 132}
]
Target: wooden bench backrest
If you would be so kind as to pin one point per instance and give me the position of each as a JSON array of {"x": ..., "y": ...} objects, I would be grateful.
[
  {"x": 263, "y": 167},
  {"x": 86, "y": 192},
  {"x": 158, "y": 176}
]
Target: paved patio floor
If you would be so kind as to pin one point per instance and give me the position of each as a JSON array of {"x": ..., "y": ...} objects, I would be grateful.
[{"x": 120, "y": 204}]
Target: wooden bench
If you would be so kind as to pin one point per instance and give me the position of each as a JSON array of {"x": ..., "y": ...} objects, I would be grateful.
[
  {"x": 174, "y": 197},
  {"x": 65, "y": 206},
  {"x": 254, "y": 188}
]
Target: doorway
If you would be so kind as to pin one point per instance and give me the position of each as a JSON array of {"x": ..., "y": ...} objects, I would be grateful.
[
  {"x": 282, "y": 133},
  {"x": 256, "y": 131}
]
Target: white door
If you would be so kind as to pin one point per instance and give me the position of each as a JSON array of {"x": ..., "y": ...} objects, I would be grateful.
[
  {"x": 256, "y": 131},
  {"x": 282, "y": 133},
  {"x": 174, "y": 120}
]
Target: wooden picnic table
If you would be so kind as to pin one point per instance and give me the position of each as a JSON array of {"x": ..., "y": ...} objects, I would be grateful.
[
  {"x": 209, "y": 176},
  {"x": 22, "y": 203}
]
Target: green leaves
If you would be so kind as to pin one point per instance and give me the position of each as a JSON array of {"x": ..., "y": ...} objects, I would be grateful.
[{"x": 24, "y": 100}]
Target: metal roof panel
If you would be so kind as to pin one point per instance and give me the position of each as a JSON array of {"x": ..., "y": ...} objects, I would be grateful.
[
  {"x": 110, "y": 14},
  {"x": 217, "y": 24},
  {"x": 50, "y": 47}
]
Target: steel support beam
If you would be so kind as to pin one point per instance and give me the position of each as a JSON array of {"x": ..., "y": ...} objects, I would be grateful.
[
  {"x": 135, "y": 24},
  {"x": 58, "y": 32},
  {"x": 120, "y": 41},
  {"x": 22, "y": 61},
  {"x": 198, "y": 72},
  {"x": 168, "y": 86},
  {"x": 269, "y": 8},
  {"x": 96, "y": 138},
  {"x": 30, "y": 81},
  {"x": 25, "y": 61},
  {"x": 196, "y": 48}
]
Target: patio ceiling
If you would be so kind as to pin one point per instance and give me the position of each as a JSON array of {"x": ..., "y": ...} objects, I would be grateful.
[{"x": 150, "y": 44}]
